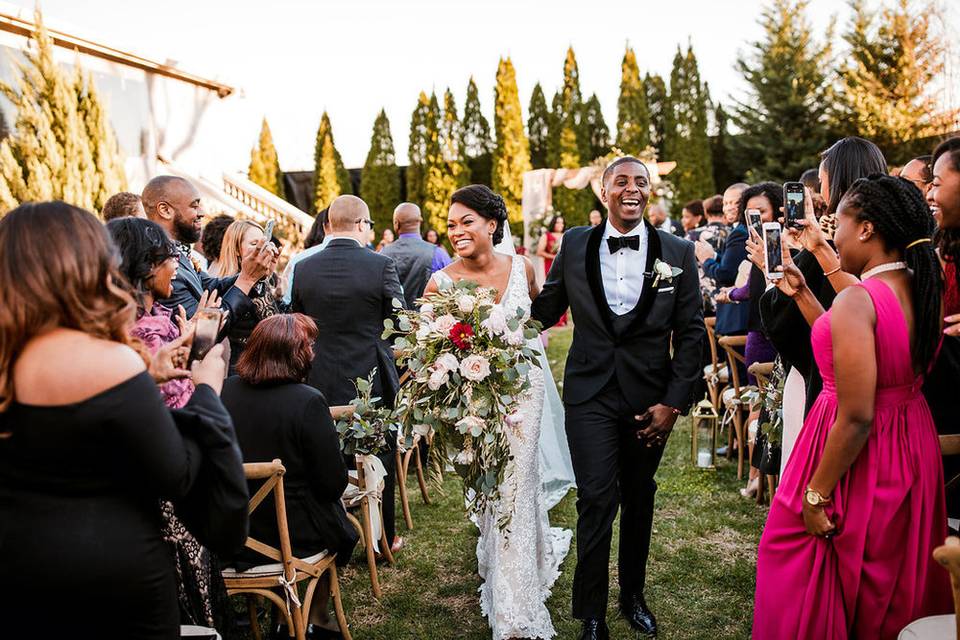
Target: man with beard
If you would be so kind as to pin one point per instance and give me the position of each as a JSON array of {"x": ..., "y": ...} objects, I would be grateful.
[{"x": 174, "y": 204}]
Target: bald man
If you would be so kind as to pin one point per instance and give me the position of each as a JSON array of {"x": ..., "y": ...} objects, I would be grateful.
[
  {"x": 416, "y": 258},
  {"x": 174, "y": 204}
]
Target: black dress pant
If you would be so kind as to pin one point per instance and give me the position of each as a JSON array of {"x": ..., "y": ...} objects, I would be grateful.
[{"x": 614, "y": 470}]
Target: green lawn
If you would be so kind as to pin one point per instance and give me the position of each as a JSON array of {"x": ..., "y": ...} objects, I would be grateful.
[{"x": 700, "y": 579}]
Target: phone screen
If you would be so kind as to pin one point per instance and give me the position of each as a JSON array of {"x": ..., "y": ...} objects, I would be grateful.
[
  {"x": 774, "y": 255},
  {"x": 205, "y": 336},
  {"x": 753, "y": 219},
  {"x": 794, "y": 205}
]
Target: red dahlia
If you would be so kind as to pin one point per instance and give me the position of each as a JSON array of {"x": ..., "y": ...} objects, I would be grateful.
[{"x": 462, "y": 335}]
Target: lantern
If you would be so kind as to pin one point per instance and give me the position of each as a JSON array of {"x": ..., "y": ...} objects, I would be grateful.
[{"x": 703, "y": 450}]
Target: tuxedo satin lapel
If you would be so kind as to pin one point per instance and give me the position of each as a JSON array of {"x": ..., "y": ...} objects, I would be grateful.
[
  {"x": 188, "y": 273},
  {"x": 649, "y": 293},
  {"x": 594, "y": 278}
]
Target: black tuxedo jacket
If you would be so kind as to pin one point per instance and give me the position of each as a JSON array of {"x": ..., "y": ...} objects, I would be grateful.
[
  {"x": 348, "y": 290},
  {"x": 190, "y": 284},
  {"x": 669, "y": 314}
]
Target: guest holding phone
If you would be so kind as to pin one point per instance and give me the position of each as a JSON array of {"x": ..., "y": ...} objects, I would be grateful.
[{"x": 847, "y": 548}]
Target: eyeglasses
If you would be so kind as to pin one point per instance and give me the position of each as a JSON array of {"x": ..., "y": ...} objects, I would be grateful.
[{"x": 367, "y": 220}]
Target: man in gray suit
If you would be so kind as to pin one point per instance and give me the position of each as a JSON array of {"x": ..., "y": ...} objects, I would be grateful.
[{"x": 416, "y": 258}]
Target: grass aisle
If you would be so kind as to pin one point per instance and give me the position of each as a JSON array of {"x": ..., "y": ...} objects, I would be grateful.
[{"x": 700, "y": 577}]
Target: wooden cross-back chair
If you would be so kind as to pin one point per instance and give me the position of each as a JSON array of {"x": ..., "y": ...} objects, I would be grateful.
[
  {"x": 357, "y": 498},
  {"x": 762, "y": 372},
  {"x": 716, "y": 374},
  {"x": 285, "y": 571},
  {"x": 731, "y": 397}
]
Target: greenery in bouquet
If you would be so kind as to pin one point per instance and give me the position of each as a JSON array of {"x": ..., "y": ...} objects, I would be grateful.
[
  {"x": 771, "y": 412},
  {"x": 469, "y": 360},
  {"x": 371, "y": 426}
]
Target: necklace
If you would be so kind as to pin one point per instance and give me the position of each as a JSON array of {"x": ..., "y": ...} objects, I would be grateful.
[{"x": 883, "y": 268}]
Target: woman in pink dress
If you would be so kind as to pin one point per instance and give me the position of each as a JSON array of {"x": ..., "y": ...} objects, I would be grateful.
[
  {"x": 549, "y": 247},
  {"x": 846, "y": 552}
]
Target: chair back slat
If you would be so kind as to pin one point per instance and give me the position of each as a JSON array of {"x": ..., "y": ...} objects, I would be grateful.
[
  {"x": 711, "y": 324},
  {"x": 265, "y": 489},
  {"x": 273, "y": 484},
  {"x": 950, "y": 445},
  {"x": 762, "y": 372},
  {"x": 729, "y": 344}
]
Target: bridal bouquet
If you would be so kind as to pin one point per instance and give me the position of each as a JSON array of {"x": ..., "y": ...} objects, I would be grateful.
[{"x": 469, "y": 361}]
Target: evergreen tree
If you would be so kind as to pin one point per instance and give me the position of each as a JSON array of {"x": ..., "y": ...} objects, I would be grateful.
[
  {"x": 417, "y": 151},
  {"x": 330, "y": 177},
  {"x": 451, "y": 142},
  {"x": 886, "y": 80},
  {"x": 512, "y": 155},
  {"x": 595, "y": 129},
  {"x": 783, "y": 121},
  {"x": 478, "y": 143},
  {"x": 686, "y": 134},
  {"x": 723, "y": 172},
  {"x": 264, "y": 164},
  {"x": 633, "y": 116},
  {"x": 538, "y": 127},
  {"x": 658, "y": 108},
  {"x": 569, "y": 145},
  {"x": 380, "y": 179},
  {"x": 436, "y": 187},
  {"x": 49, "y": 154},
  {"x": 450, "y": 170}
]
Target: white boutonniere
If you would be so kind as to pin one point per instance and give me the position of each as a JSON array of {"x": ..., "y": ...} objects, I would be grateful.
[{"x": 662, "y": 270}]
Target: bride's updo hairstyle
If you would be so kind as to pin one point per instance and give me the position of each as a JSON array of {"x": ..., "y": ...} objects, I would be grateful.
[{"x": 486, "y": 202}]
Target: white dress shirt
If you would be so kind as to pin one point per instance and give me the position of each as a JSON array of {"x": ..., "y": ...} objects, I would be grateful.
[{"x": 622, "y": 272}]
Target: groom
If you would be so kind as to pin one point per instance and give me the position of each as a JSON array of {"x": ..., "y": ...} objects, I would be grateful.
[{"x": 623, "y": 390}]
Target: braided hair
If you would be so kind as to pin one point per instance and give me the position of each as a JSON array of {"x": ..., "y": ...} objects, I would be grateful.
[
  {"x": 772, "y": 191},
  {"x": 901, "y": 217},
  {"x": 486, "y": 202}
]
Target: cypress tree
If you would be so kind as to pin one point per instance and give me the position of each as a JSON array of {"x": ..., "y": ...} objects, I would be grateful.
[
  {"x": 885, "y": 82},
  {"x": 512, "y": 156},
  {"x": 478, "y": 143},
  {"x": 380, "y": 179},
  {"x": 538, "y": 127},
  {"x": 108, "y": 160},
  {"x": 633, "y": 116},
  {"x": 783, "y": 120},
  {"x": 330, "y": 176},
  {"x": 436, "y": 187},
  {"x": 686, "y": 135},
  {"x": 595, "y": 129},
  {"x": 452, "y": 146},
  {"x": 569, "y": 144},
  {"x": 658, "y": 107},
  {"x": 417, "y": 151},
  {"x": 265, "y": 164}
]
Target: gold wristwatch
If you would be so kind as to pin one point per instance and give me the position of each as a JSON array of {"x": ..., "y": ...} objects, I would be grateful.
[{"x": 814, "y": 498}]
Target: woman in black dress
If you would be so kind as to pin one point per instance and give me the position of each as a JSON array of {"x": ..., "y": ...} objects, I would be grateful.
[
  {"x": 278, "y": 416},
  {"x": 87, "y": 447}
]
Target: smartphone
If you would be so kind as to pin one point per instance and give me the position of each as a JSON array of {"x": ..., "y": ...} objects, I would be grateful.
[
  {"x": 205, "y": 336},
  {"x": 773, "y": 256},
  {"x": 268, "y": 231},
  {"x": 753, "y": 219},
  {"x": 793, "y": 204}
]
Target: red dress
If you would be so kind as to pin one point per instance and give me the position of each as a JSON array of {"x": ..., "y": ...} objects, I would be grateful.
[{"x": 552, "y": 242}]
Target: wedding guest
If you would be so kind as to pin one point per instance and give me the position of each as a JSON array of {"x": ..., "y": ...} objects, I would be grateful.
[
  {"x": 692, "y": 219},
  {"x": 811, "y": 180},
  {"x": 416, "y": 259},
  {"x": 349, "y": 292},
  {"x": 315, "y": 242},
  {"x": 659, "y": 218},
  {"x": 433, "y": 237},
  {"x": 174, "y": 204},
  {"x": 731, "y": 203},
  {"x": 277, "y": 415},
  {"x": 595, "y": 218},
  {"x": 863, "y": 496},
  {"x": 123, "y": 205},
  {"x": 89, "y": 449},
  {"x": 717, "y": 229},
  {"x": 548, "y": 247},
  {"x": 386, "y": 239},
  {"x": 211, "y": 239},
  {"x": 722, "y": 268},
  {"x": 919, "y": 171}
]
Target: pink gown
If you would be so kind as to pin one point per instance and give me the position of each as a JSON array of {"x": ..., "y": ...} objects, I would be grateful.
[{"x": 877, "y": 574}]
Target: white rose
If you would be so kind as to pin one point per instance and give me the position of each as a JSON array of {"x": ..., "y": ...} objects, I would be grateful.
[
  {"x": 426, "y": 311},
  {"x": 446, "y": 362},
  {"x": 437, "y": 379},
  {"x": 664, "y": 270},
  {"x": 472, "y": 425},
  {"x": 466, "y": 304},
  {"x": 423, "y": 333},
  {"x": 475, "y": 368},
  {"x": 443, "y": 324},
  {"x": 514, "y": 420},
  {"x": 515, "y": 338},
  {"x": 464, "y": 457},
  {"x": 496, "y": 323}
]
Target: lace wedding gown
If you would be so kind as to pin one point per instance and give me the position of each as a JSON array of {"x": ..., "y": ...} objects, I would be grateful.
[{"x": 519, "y": 564}]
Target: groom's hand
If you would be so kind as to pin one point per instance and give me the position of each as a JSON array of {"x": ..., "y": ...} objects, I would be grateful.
[{"x": 660, "y": 419}]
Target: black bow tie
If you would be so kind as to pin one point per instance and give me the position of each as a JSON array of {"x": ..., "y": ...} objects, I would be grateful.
[{"x": 623, "y": 242}]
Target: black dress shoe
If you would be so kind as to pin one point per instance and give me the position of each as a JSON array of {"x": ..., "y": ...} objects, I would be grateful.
[
  {"x": 634, "y": 609},
  {"x": 594, "y": 629}
]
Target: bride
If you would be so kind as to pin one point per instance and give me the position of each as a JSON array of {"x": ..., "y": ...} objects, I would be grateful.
[{"x": 518, "y": 565}]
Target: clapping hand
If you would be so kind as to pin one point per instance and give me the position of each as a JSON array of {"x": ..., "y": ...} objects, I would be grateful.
[
  {"x": 170, "y": 360},
  {"x": 207, "y": 299},
  {"x": 704, "y": 251}
]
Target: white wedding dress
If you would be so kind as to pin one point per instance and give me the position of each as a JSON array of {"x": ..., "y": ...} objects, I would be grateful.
[{"x": 519, "y": 564}]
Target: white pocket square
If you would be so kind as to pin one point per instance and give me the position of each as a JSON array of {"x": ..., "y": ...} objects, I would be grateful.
[{"x": 667, "y": 290}]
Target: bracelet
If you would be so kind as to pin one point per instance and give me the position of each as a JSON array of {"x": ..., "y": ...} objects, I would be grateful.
[{"x": 831, "y": 272}]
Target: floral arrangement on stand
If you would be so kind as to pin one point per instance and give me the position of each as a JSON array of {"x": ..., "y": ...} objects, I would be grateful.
[
  {"x": 469, "y": 359},
  {"x": 371, "y": 426}
]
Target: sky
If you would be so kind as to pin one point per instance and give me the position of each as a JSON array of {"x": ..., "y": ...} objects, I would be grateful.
[{"x": 293, "y": 59}]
